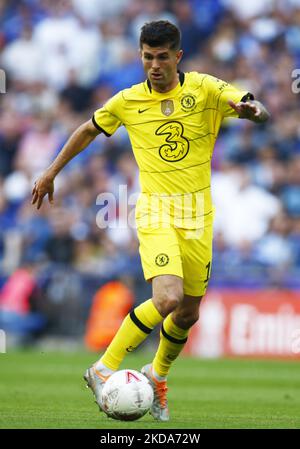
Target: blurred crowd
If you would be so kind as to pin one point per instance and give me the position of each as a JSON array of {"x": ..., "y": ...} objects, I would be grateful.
[{"x": 64, "y": 59}]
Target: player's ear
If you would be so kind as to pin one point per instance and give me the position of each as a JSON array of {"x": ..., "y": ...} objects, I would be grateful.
[{"x": 179, "y": 55}]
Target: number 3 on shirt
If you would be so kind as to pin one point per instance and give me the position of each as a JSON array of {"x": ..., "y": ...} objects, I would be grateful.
[{"x": 177, "y": 146}]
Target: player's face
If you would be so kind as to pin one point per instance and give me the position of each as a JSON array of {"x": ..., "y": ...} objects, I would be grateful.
[{"x": 160, "y": 65}]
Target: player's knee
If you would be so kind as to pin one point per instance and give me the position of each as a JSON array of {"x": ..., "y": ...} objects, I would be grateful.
[{"x": 167, "y": 302}]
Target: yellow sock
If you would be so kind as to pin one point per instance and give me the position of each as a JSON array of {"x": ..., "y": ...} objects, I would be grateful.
[
  {"x": 135, "y": 328},
  {"x": 172, "y": 341}
]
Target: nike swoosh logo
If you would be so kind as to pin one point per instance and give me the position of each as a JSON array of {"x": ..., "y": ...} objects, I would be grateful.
[{"x": 143, "y": 110}]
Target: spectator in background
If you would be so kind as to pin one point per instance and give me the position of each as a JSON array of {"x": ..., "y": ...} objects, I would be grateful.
[
  {"x": 274, "y": 249},
  {"x": 245, "y": 210},
  {"x": 126, "y": 175},
  {"x": 69, "y": 43},
  {"x": 37, "y": 147},
  {"x": 23, "y": 58},
  {"x": 9, "y": 142},
  {"x": 291, "y": 192},
  {"x": 93, "y": 11},
  {"x": 60, "y": 246},
  {"x": 269, "y": 172},
  {"x": 117, "y": 52},
  {"x": 294, "y": 240},
  {"x": 192, "y": 35},
  {"x": 74, "y": 96},
  {"x": 20, "y": 314},
  {"x": 248, "y": 10},
  {"x": 150, "y": 10}
]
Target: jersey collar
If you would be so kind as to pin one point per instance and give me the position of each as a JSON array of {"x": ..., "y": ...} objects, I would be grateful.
[{"x": 181, "y": 81}]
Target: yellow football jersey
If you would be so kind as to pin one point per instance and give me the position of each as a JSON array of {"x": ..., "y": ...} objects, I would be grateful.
[{"x": 172, "y": 136}]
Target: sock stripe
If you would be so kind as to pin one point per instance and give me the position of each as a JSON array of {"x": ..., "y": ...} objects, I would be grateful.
[
  {"x": 172, "y": 339},
  {"x": 139, "y": 324}
]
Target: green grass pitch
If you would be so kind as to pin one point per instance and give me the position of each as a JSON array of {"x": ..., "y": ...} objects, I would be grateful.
[{"x": 46, "y": 390}]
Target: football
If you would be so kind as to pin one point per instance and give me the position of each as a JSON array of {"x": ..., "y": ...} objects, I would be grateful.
[{"x": 127, "y": 395}]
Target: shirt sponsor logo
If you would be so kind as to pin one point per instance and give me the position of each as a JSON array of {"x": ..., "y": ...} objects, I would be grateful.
[{"x": 175, "y": 146}]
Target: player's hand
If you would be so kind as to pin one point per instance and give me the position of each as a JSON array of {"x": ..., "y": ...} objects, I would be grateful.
[
  {"x": 42, "y": 187},
  {"x": 247, "y": 110}
]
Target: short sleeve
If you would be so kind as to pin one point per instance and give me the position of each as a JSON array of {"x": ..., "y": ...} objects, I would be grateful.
[
  {"x": 220, "y": 92},
  {"x": 108, "y": 118}
]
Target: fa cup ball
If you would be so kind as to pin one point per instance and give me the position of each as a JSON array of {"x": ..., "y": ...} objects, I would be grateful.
[{"x": 127, "y": 395}]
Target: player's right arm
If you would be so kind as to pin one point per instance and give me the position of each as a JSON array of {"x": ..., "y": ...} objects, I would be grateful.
[
  {"x": 233, "y": 102},
  {"x": 77, "y": 142}
]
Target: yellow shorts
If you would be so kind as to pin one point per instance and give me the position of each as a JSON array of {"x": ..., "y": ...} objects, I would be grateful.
[{"x": 182, "y": 252}]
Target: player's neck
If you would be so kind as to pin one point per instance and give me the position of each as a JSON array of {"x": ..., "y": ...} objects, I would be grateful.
[{"x": 167, "y": 87}]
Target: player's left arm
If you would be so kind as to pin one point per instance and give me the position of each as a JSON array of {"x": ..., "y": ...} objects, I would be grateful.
[{"x": 251, "y": 109}]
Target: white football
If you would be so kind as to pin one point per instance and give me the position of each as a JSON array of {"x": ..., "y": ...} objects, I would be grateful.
[{"x": 127, "y": 395}]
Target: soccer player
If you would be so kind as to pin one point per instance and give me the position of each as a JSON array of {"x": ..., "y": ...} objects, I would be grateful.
[{"x": 173, "y": 119}]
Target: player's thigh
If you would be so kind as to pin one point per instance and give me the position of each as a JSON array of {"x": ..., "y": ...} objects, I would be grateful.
[
  {"x": 168, "y": 287},
  {"x": 161, "y": 262},
  {"x": 196, "y": 252},
  {"x": 160, "y": 252}
]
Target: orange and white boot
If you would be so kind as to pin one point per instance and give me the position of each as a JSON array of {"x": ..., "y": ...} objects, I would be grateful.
[
  {"x": 95, "y": 381},
  {"x": 159, "y": 409}
]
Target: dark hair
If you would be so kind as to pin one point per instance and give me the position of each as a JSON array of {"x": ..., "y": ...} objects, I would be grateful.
[{"x": 160, "y": 33}]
